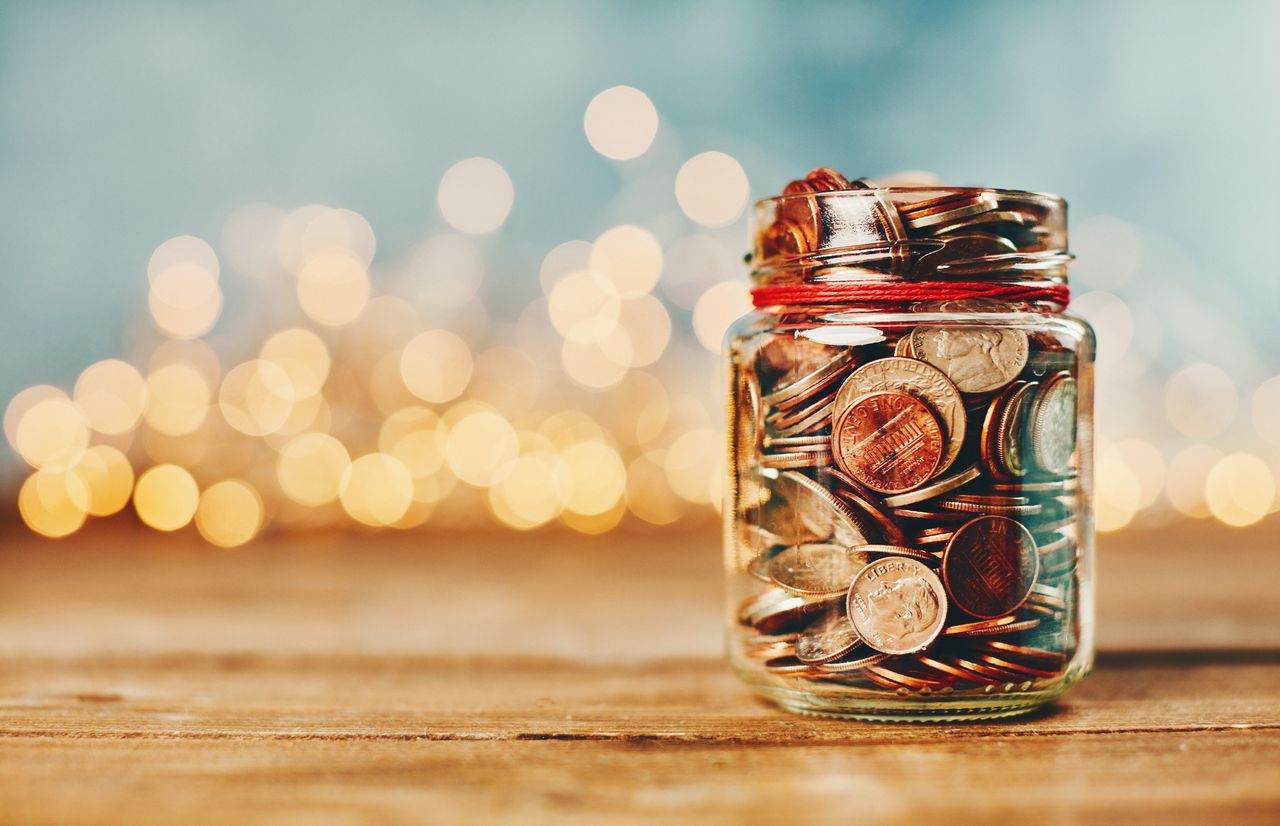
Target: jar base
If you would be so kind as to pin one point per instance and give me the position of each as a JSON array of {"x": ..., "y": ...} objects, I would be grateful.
[{"x": 850, "y": 703}]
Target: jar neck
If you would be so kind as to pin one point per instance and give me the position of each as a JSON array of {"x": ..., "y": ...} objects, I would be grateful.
[{"x": 907, "y": 246}]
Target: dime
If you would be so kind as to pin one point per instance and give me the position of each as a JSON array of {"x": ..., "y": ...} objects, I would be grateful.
[
  {"x": 976, "y": 359},
  {"x": 820, "y": 512},
  {"x": 979, "y": 507},
  {"x": 798, "y": 441},
  {"x": 786, "y": 664},
  {"x": 916, "y": 378},
  {"x": 989, "y": 566},
  {"x": 793, "y": 388},
  {"x": 946, "y": 209},
  {"x": 1052, "y": 424},
  {"x": 890, "y": 442},
  {"x": 935, "y": 488},
  {"x": 828, "y": 637},
  {"x": 897, "y": 605},
  {"x": 814, "y": 570},
  {"x": 788, "y": 614}
]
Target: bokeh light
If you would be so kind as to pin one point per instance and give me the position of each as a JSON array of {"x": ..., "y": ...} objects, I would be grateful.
[
  {"x": 178, "y": 397},
  {"x": 712, "y": 189},
  {"x": 112, "y": 395},
  {"x": 256, "y": 397},
  {"x": 49, "y": 502},
  {"x": 481, "y": 446},
  {"x": 592, "y": 478},
  {"x": 1266, "y": 410},
  {"x": 1200, "y": 400},
  {"x": 476, "y": 195},
  {"x": 1186, "y": 476},
  {"x": 303, "y": 357},
  {"x": 629, "y": 258},
  {"x": 310, "y": 468},
  {"x": 52, "y": 434},
  {"x": 1239, "y": 489},
  {"x": 166, "y": 497},
  {"x": 185, "y": 300},
  {"x": 376, "y": 490},
  {"x": 230, "y": 513},
  {"x": 106, "y": 480},
  {"x": 621, "y": 123},
  {"x": 720, "y": 306},
  {"x": 333, "y": 288},
  {"x": 436, "y": 366}
]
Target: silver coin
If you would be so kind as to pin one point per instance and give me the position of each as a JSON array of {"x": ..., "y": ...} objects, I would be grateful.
[
  {"x": 1053, "y": 425},
  {"x": 976, "y": 359},
  {"x": 828, "y": 637},
  {"x": 897, "y": 605},
  {"x": 814, "y": 569}
]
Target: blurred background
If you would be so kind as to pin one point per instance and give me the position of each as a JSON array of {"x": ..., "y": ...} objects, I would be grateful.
[{"x": 300, "y": 267}]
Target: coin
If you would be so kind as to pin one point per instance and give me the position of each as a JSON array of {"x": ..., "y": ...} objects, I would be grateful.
[
  {"x": 1011, "y": 651},
  {"x": 898, "y": 550},
  {"x": 828, "y": 637},
  {"x": 979, "y": 507},
  {"x": 916, "y": 378},
  {"x": 1009, "y": 440},
  {"x": 890, "y": 442},
  {"x": 934, "y": 489},
  {"x": 795, "y": 384},
  {"x": 990, "y": 565},
  {"x": 897, "y": 605},
  {"x": 786, "y": 664},
  {"x": 826, "y": 179},
  {"x": 1053, "y": 424},
  {"x": 856, "y": 660},
  {"x": 946, "y": 209},
  {"x": 981, "y": 627},
  {"x": 814, "y": 569},
  {"x": 976, "y": 359},
  {"x": 863, "y": 502},
  {"x": 820, "y": 512}
]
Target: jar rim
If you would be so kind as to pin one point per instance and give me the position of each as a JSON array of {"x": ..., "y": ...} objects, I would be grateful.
[{"x": 1022, "y": 194}]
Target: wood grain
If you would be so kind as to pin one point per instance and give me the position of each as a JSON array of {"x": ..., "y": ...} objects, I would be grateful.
[{"x": 549, "y": 678}]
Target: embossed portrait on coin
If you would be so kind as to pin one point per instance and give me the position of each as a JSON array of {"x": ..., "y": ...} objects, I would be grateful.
[
  {"x": 904, "y": 607},
  {"x": 975, "y": 359}
]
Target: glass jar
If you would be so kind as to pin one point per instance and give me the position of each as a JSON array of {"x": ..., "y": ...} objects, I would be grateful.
[{"x": 908, "y": 518}]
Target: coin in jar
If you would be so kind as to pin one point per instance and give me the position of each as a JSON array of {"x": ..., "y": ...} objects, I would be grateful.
[
  {"x": 819, "y": 513},
  {"x": 976, "y": 359},
  {"x": 828, "y": 637},
  {"x": 890, "y": 442},
  {"x": 916, "y": 378},
  {"x": 989, "y": 566},
  {"x": 897, "y": 605},
  {"x": 814, "y": 569},
  {"x": 1053, "y": 425}
]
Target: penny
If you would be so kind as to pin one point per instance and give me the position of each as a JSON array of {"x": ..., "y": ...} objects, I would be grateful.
[
  {"x": 897, "y": 605},
  {"x": 786, "y": 664},
  {"x": 946, "y": 210},
  {"x": 916, "y": 378},
  {"x": 826, "y": 179},
  {"x": 828, "y": 637},
  {"x": 786, "y": 615},
  {"x": 814, "y": 570},
  {"x": 934, "y": 489},
  {"x": 902, "y": 348},
  {"x": 976, "y": 359},
  {"x": 948, "y": 668},
  {"x": 1010, "y": 651},
  {"x": 1052, "y": 424},
  {"x": 989, "y": 566},
  {"x": 890, "y": 442},
  {"x": 1010, "y": 665},
  {"x": 981, "y": 627},
  {"x": 992, "y": 424}
]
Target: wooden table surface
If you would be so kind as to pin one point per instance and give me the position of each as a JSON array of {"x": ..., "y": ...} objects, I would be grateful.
[{"x": 553, "y": 678}]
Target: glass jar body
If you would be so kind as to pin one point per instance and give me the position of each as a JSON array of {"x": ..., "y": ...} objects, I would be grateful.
[{"x": 908, "y": 519}]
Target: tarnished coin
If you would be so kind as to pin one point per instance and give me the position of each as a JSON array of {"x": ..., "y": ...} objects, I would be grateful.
[
  {"x": 828, "y": 637},
  {"x": 814, "y": 570},
  {"x": 1052, "y": 424},
  {"x": 990, "y": 565},
  {"x": 897, "y": 605},
  {"x": 822, "y": 515},
  {"x": 976, "y": 359},
  {"x": 890, "y": 442},
  {"x": 916, "y": 378}
]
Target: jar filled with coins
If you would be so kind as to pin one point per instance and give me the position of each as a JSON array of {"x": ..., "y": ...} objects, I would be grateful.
[{"x": 908, "y": 519}]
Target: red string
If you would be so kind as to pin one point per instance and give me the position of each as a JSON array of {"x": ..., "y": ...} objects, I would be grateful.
[{"x": 787, "y": 294}]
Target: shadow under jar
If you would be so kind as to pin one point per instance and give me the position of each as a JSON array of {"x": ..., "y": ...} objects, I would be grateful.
[{"x": 908, "y": 518}]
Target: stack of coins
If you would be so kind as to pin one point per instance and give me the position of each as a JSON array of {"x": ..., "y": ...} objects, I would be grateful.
[{"x": 909, "y": 507}]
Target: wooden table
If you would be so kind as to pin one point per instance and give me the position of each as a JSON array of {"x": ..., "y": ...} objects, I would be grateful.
[{"x": 552, "y": 678}]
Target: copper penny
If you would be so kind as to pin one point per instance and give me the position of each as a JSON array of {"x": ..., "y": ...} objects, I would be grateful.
[
  {"x": 890, "y": 442},
  {"x": 990, "y": 565}
]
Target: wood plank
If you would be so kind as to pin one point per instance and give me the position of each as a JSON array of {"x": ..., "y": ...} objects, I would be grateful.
[{"x": 1154, "y": 777}]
